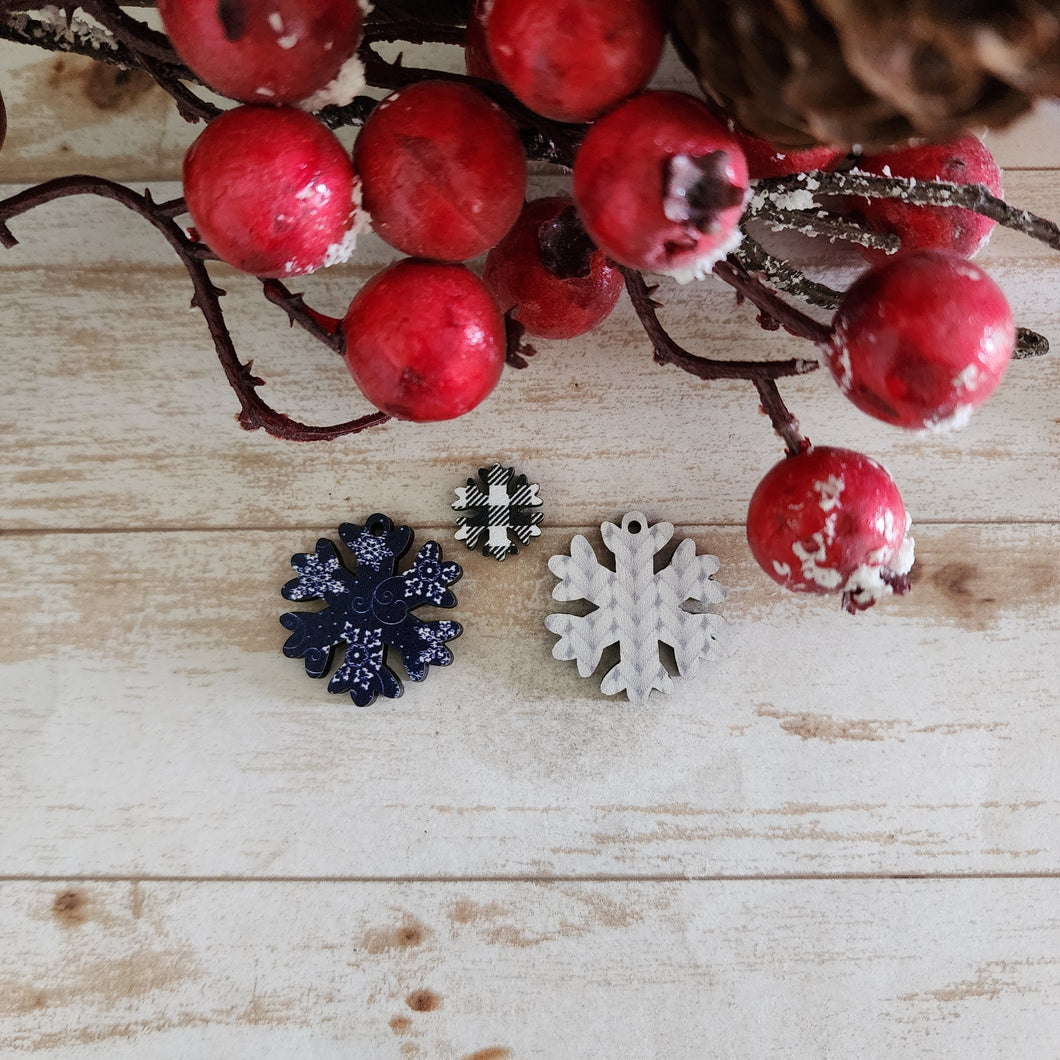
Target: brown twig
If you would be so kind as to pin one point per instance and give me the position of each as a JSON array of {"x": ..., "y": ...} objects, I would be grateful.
[
  {"x": 254, "y": 412},
  {"x": 325, "y": 329},
  {"x": 784, "y": 423},
  {"x": 667, "y": 351},
  {"x": 778, "y": 195}
]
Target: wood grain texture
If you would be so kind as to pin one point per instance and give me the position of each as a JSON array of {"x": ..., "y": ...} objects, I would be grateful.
[
  {"x": 842, "y": 840},
  {"x": 468, "y": 971},
  {"x": 153, "y": 727}
]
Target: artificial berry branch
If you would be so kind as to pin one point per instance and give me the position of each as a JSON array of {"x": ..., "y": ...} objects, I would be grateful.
[
  {"x": 783, "y": 202},
  {"x": 254, "y": 412},
  {"x": 754, "y": 258}
]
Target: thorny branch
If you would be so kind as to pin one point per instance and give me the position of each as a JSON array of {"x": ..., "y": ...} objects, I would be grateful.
[
  {"x": 254, "y": 412},
  {"x": 114, "y": 36}
]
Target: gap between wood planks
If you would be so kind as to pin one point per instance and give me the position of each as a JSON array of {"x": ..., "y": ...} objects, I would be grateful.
[{"x": 608, "y": 878}]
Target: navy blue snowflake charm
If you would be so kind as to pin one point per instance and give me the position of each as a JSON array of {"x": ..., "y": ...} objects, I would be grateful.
[
  {"x": 370, "y": 608},
  {"x": 500, "y": 506}
]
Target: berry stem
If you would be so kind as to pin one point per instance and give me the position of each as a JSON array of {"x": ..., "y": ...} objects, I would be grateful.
[
  {"x": 753, "y": 257},
  {"x": 778, "y": 196},
  {"x": 667, "y": 351},
  {"x": 254, "y": 412},
  {"x": 784, "y": 423},
  {"x": 325, "y": 329},
  {"x": 829, "y": 226},
  {"x": 412, "y": 31},
  {"x": 774, "y": 309},
  {"x": 517, "y": 349},
  {"x": 134, "y": 34}
]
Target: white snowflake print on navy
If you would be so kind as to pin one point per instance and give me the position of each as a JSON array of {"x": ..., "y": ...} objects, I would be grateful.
[
  {"x": 370, "y": 609},
  {"x": 370, "y": 550},
  {"x": 364, "y": 657},
  {"x": 636, "y": 607},
  {"x": 317, "y": 576},
  {"x": 500, "y": 506},
  {"x": 428, "y": 576}
]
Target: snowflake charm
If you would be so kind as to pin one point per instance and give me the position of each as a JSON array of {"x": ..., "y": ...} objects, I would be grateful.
[
  {"x": 500, "y": 503},
  {"x": 370, "y": 608},
  {"x": 636, "y": 608}
]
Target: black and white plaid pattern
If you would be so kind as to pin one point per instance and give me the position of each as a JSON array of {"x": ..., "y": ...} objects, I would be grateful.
[{"x": 500, "y": 506}]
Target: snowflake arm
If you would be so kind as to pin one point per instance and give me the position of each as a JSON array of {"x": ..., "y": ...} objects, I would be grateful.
[
  {"x": 321, "y": 575},
  {"x": 376, "y": 545},
  {"x": 363, "y": 673},
  {"x": 582, "y": 638},
  {"x": 689, "y": 577},
  {"x": 427, "y": 579},
  {"x": 637, "y": 673},
  {"x": 426, "y": 645},
  {"x": 314, "y": 635},
  {"x": 581, "y": 576}
]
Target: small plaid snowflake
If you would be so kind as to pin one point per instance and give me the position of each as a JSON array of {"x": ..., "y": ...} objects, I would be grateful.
[
  {"x": 369, "y": 609},
  {"x": 500, "y": 506}
]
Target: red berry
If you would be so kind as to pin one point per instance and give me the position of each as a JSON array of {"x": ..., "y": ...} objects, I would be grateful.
[
  {"x": 831, "y": 521},
  {"x": 571, "y": 60},
  {"x": 443, "y": 171},
  {"x": 767, "y": 160},
  {"x": 424, "y": 340},
  {"x": 271, "y": 191},
  {"x": 476, "y": 51},
  {"x": 921, "y": 340},
  {"x": 660, "y": 185},
  {"x": 560, "y": 284},
  {"x": 965, "y": 160},
  {"x": 278, "y": 52}
]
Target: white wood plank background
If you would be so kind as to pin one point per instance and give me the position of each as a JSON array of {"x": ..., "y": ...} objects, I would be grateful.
[{"x": 843, "y": 840}]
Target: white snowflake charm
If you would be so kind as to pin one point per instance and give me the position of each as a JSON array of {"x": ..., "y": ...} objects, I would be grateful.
[{"x": 636, "y": 607}]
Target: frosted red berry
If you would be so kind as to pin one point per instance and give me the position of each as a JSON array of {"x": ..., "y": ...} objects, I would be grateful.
[
  {"x": 965, "y": 160},
  {"x": 271, "y": 191},
  {"x": 831, "y": 521},
  {"x": 921, "y": 340},
  {"x": 275, "y": 52},
  {"x": 424, "y": 340},
  {"x": 660, "y": 185},
  {"x": 571, "y": 60},
  {"x": 549, "y": 271},
  {"x": 442, "y": 169},
  {"x": 767, "y": 160}
]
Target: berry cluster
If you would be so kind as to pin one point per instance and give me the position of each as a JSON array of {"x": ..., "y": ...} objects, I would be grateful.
[
  {"x": 660, "y": 182},
  {"x": 438, "y": 171}
]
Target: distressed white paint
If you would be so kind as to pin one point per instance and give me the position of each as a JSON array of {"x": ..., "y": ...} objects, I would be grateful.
[{"x": 307, "y": 868}]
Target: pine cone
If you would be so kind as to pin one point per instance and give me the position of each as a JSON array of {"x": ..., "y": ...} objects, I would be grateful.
[{"x": 845, "y": 72}]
